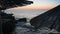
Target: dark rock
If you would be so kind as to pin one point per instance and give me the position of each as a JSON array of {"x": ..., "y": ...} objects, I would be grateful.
[
  {"x": 22, "y": 20},
  {"x": 50, "y": 19},
  {"x": 54, "y": 33},
  {"x": 7, "y": 23}
]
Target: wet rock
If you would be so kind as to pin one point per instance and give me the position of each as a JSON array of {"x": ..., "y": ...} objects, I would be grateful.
[
  {"x": 54, "y": 33},
  {"x": 22, "y": 20},
  {"x": 50, "y": 19},
  {"x": 7, "y": 21}
]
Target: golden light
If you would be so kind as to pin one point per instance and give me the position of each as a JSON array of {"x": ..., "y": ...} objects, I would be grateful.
[{"x": 34, "y": 6}]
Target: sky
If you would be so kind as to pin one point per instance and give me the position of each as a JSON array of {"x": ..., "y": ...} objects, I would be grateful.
[
  {"x": 41, "y": 4},
  {"x": 34, "y": 9}
]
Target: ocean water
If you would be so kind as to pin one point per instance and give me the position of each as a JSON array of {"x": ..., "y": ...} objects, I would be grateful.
[
  {"x": 25, "y": 13},
  {"x": 24, "y": 27}
]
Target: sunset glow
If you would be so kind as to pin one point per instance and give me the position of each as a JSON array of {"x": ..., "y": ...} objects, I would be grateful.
[
  {"x": 36, "y": 7},
  {"x": 40, "y": 4}
]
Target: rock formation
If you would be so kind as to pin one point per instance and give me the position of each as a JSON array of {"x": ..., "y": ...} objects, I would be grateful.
[
  {"x": 7, "y": 21},
  {"x": 50, "y": 19},
  {"x": 22, "y": 20}
]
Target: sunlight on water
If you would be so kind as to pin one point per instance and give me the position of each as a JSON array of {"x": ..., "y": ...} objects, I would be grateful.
[{"x": 25, "y": 13}]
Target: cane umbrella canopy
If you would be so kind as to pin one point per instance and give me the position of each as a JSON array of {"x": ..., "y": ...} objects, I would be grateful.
[
  {"x": 50, "y": 19},
  {"x": 5, "y": 4}
]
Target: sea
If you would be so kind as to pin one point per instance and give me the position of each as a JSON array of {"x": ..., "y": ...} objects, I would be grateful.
[
  {"x": 25, "y": 13},
  {"x": 26, "y": 27}
]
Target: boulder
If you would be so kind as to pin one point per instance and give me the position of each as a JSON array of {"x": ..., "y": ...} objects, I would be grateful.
[
  {"x": 22, "y": 20},
  {"x": 49, "y": 19},
  {"x": 54, "y": 33},
  {"x": 7, "y": 23}
]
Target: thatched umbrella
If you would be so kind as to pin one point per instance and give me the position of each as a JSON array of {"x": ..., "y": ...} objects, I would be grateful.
[{"x": 5, "y": 4}]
